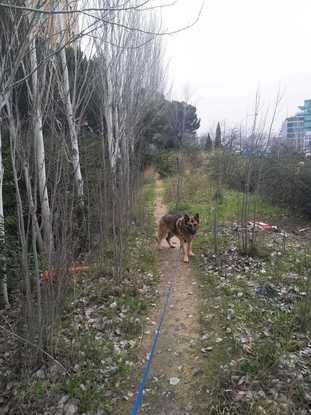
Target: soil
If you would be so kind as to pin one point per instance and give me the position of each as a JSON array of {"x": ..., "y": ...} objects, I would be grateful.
[{"x": 176, "y": 354}]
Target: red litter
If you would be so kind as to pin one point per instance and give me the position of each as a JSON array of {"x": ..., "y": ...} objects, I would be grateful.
[{"x": 261, "y": 225}]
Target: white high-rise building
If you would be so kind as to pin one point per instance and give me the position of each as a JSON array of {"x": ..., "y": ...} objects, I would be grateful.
[{"x": 293, "y": 131}]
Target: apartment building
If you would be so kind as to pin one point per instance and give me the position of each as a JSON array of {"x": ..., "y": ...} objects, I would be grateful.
[
  {"x": 306, "y": 112},
  {"x": 296, "y": 130}
]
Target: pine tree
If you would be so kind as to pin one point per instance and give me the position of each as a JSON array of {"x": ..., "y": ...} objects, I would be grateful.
[{"x": 218, "y": 137}]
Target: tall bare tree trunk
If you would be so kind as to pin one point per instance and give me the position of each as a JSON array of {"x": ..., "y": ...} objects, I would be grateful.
[
  {"x": 70, "y": 114},
  {"x": 2, "y": 230},
  {"x": 109, "y": 117},
  {"x": 40, "y": 152}
]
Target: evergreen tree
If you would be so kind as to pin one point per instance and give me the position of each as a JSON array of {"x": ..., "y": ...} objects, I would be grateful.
[
  {"x": 218, "y": 137},
  {"x": 183, "y": 122},
  {"x": 170, "y": 123},
  {"x": 208, "y": 143}
]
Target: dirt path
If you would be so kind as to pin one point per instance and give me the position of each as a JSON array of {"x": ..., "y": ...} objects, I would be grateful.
[{"x": 176, "y": 355}]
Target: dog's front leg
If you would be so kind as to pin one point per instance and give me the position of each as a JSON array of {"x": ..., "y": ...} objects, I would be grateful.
[
  {"x": 190, "y": 249},
  {"x": 186, "y": 251}
]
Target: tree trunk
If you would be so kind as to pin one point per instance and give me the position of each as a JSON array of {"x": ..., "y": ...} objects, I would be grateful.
[
  {"x": 20, "y": 214},
  {"x": 40, "y": 152},
  {"x": 70, "y": 114},
  {"x": 2, "y": 230}
]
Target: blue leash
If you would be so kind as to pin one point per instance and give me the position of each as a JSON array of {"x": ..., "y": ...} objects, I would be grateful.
[{"x": 150, "y": 355}]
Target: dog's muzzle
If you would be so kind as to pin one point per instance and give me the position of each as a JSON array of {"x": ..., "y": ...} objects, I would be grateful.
[{"x": 192, "y": 230}]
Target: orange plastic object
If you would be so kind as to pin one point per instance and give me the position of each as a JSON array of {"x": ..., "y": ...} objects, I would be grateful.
[{"x": 72, "y": 270}]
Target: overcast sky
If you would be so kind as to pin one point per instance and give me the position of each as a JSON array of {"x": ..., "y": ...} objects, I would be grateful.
[{"x": 237, "y": 47}]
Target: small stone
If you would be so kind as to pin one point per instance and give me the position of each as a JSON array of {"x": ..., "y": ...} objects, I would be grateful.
[
  {"x": 308, "y": 397},
  {"x": 62, "y": 401},
  {"x": 71, "y": 408},
  {"x": 206, "y": 349},
  {"x": 40, "y": 374},
  {"x": 76, "y": 368}
]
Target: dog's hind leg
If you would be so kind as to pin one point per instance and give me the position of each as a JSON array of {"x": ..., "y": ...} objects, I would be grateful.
[
  {"x": 162, "y": 232},
  {"x": 184, "y": 249},
  {"x": 168, "y": 239}
]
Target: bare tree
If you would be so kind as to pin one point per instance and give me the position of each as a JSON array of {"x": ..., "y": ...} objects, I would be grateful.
[
  {"x": 44, "y": 97},
  {"x": 70, "y": 113},
  {"x": 35, "y": 98},
  {"x": 2, "y": 229}
]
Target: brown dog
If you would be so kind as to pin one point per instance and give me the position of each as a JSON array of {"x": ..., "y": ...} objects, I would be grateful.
[{"x": 182, "y": 226}]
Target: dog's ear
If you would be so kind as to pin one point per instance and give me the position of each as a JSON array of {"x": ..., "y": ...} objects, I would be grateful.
[
  {"x": 197, "y": 217},
  {"x": 186, "y": 218}
]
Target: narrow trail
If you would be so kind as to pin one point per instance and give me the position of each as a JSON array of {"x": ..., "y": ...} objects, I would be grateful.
[{"x": 176, "y": 355}]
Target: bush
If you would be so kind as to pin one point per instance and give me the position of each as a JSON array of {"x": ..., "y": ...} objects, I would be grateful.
[
  {"x": 165, "y": 163},
  {"x": 282, "y": 178}
]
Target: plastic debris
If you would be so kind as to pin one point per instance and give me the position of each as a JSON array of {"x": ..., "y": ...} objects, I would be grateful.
[
  {"x": 260, "y": 225},
  {"x": 267, "y": 291},
  {"x": 174, "y": 381}
]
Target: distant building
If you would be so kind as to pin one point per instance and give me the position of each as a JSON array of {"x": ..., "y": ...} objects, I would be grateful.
[
  {"x": 306, "y": 113},
  {"x": 293, "y": 131},
  {"x": 296, "y": 130}
]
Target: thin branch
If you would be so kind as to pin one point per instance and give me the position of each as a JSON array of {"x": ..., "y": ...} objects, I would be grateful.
[
  {"x": 153, "y": 33},
  {"x": 86, "y": 10}
]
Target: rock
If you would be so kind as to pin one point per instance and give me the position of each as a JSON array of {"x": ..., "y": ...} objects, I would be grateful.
[
  {"x": 40, "y": 374},
  {"x": 55, "y": 370},
  {"x": 308, "y": 397},
  {"x": 62, "y": 401},
  {"x": 71, "y": 408},
  {"x": 76, "y": 368}
]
